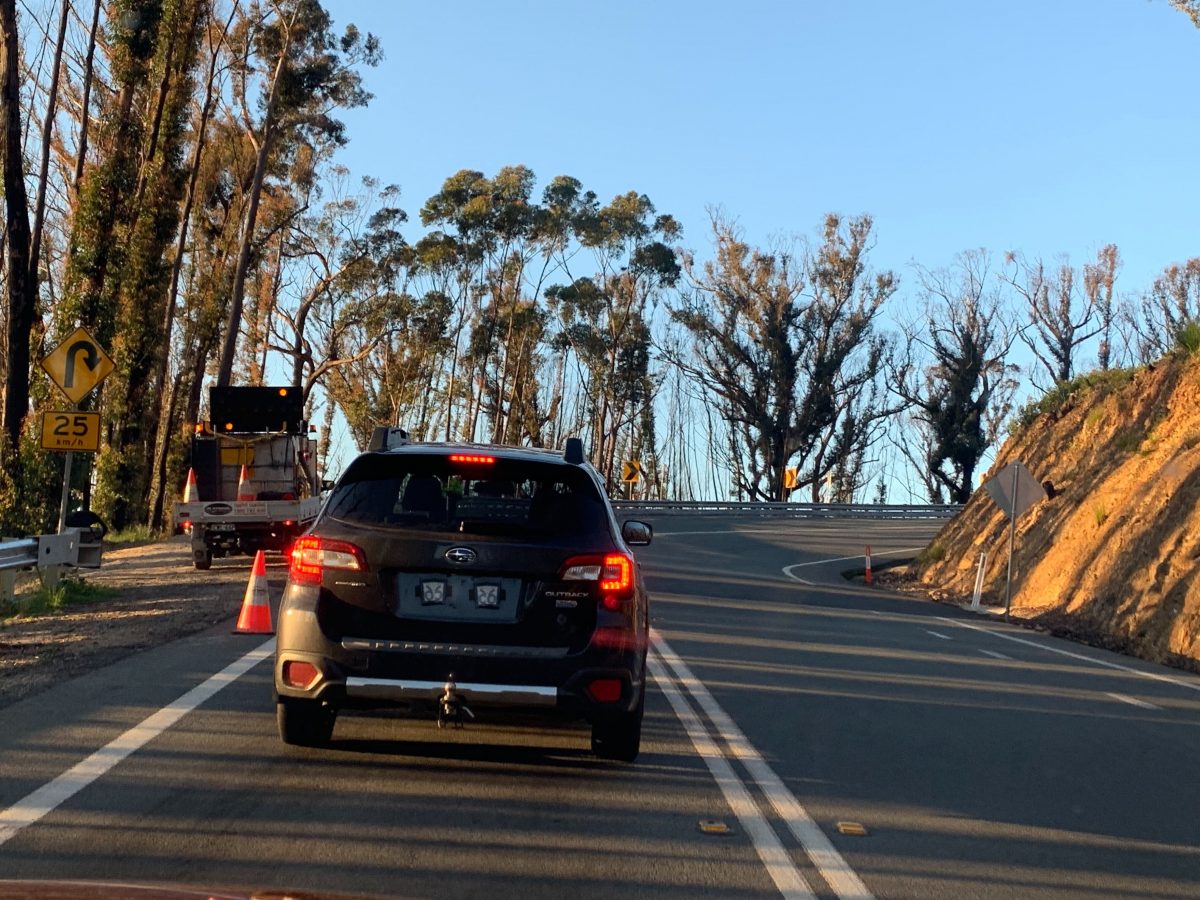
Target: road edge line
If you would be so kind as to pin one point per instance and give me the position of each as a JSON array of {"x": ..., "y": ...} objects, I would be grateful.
[
  {"x": 774, "y": 856},
  {"x": 832, "y": 866},
  {"x": 45, "y": 799}
]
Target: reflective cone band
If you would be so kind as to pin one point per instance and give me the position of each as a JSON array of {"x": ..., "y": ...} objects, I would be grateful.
[
  {"x": 245, "y": 490},
  {"x": 255, "y": 617}
]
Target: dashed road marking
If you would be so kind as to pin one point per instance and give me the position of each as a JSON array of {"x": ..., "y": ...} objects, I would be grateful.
[
  {"x": 1178, "y": 682},
  {"x": 1132, "y": 701},
  {"x": 992, "y": 653},
  {"x": 938, "y": 634}
]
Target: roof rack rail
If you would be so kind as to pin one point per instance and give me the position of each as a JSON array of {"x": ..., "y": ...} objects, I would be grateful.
[
  {"x": 385, "y": 438},
  {"x": 573, "y": 452}
]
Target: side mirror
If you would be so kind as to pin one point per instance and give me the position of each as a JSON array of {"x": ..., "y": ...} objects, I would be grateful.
[{"x": 637, "y": 534}]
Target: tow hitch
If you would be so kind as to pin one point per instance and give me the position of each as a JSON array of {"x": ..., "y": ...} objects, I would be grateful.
[{"x": 451, "y": 707}]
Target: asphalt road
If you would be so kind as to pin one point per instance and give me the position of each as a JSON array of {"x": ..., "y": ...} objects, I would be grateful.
[{"x": 982, "y": 760}]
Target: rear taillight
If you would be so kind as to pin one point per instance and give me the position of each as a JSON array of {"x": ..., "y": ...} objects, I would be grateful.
[
  {"x": 312, "y": 555},
  {"x": 604, "y": 690},
  {"x": 613, "y": 572},
  {"x": 617, "y": 577}
]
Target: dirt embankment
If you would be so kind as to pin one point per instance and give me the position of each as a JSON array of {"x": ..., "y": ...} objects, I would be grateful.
[
  {"x": 160, "y": 598},
  {"x": 1113, "y": 556}
]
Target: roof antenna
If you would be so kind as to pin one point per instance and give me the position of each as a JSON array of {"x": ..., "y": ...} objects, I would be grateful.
[{"x": 574, "y": 451}]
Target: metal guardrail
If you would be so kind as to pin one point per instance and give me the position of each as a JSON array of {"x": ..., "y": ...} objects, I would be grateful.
[
  {"x": 791, "y": 510},
  {"x": 50, "y": 553}
]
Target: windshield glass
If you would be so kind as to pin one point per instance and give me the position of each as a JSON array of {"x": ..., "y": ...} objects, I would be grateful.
[{"x": 435, "y": 492}]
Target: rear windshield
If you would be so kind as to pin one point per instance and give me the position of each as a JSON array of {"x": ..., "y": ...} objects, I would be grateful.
[{"x": 431, "y": 492}]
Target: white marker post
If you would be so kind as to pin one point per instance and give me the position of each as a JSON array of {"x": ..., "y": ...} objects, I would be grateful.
[{"x": 978, "y": 594}]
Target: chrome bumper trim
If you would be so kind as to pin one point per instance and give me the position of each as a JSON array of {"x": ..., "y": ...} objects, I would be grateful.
[
  {"x": 452, "y": 649},
  {"x": 472, "y": 693}
]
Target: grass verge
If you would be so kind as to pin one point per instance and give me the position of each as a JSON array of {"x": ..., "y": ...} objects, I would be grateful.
[{"x": 70, "y": 591}]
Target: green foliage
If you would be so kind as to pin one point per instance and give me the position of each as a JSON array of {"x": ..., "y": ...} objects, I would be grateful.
[
  {"x": 1100, "y": 514},
  {"x": 134, "y": 534},
  {"x": 70, "y": 591},
  {"x": 1187, "y": 337},
  {"x": 30, "y": 492},
  {"x": 934, "y": 553},
  {"x": 1099, "y": 382}
]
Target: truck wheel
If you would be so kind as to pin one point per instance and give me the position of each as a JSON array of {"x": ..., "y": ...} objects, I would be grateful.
[
  {"x": 203, "y": 563},
  {"x": 619, "y": 736},
  {"x": 304, "y": 723}
]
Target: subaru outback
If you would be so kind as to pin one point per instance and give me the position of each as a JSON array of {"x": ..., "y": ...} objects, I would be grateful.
[{"x": 461, "y": 581}]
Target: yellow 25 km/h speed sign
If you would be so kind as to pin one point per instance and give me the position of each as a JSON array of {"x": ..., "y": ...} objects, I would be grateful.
[
  {"x": 78, "y": 365},
  {"x": 71, "y": 431}
]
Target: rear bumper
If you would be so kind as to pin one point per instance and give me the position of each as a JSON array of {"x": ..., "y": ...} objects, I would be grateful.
[
  {"x": 366, "y": 672},
  {"x": 473, "y": 693}
]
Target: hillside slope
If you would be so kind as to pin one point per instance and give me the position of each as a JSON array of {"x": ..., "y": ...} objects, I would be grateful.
[{"x": 1114, "y": 554}]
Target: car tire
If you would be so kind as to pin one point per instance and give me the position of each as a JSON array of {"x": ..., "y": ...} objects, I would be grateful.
[
  {"x": 619, "y": 736},
  {"x": 203, "y": 563},
  {"x": 304, "y": 723}
]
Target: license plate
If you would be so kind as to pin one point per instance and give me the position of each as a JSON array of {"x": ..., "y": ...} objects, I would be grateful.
[
  {"x": 222, "y": 526},
  {"x": 487, "y": 596}
]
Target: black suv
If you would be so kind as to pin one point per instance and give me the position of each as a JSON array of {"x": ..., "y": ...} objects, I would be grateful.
[{"x": 458, "y": 579}]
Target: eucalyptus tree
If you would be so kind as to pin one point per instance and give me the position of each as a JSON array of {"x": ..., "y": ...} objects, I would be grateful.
[
  {"x": 955, "y": 376},
  {"x": 1062, "y": 317},
  {"x": 604, "y": 318},
  {"x": 308, "y": 72},
  {"x": 787, "y": 342},
  {"x": 1171, "y": 304},
  {"x": 21, "y": 284}
]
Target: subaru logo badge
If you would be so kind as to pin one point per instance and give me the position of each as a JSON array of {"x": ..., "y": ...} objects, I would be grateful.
[{"x": 460, "y": 556}]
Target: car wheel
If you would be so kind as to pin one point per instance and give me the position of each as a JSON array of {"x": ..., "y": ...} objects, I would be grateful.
[
  {"x": 203, "y": 563},
  {"x": 619, "y": 736},
  {"x": 305, "y": 723}
]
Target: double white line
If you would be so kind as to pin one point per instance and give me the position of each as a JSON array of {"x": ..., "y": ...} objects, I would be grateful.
[{"x": 775, "y": 857}]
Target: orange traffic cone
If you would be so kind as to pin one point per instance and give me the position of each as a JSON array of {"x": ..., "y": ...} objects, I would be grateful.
[
  {"x": 256, "y": 605},
  {"x": 245, "y": 491},
  {"x": 191, "y": 493}
]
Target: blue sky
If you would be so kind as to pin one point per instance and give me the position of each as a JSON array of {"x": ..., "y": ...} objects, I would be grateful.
[
  {"x": 1050, "y": 126},
  {"x": 1046, "y": 126}
]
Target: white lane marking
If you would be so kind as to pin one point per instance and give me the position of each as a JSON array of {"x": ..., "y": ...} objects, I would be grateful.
[
  {"x": 1132, "y": 701},
  {"x": 787, "y": 570},
  {"x": 770, "y": 849},
  {"x": 53, "y": 793},
  {"x": 992, "y": 653},
  {"x": 1178, "y": 682},
  {"x": 832, "y": 866},
  {"x": 938, "y": 634}
]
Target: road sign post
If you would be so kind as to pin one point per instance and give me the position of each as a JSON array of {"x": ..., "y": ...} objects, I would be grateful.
[
  {"x": 77, "y": 366},
  {"x": 1015, "y": 491}
]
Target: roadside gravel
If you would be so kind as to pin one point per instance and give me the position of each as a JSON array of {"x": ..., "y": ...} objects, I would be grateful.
[{"x": 161, "y": 598}]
